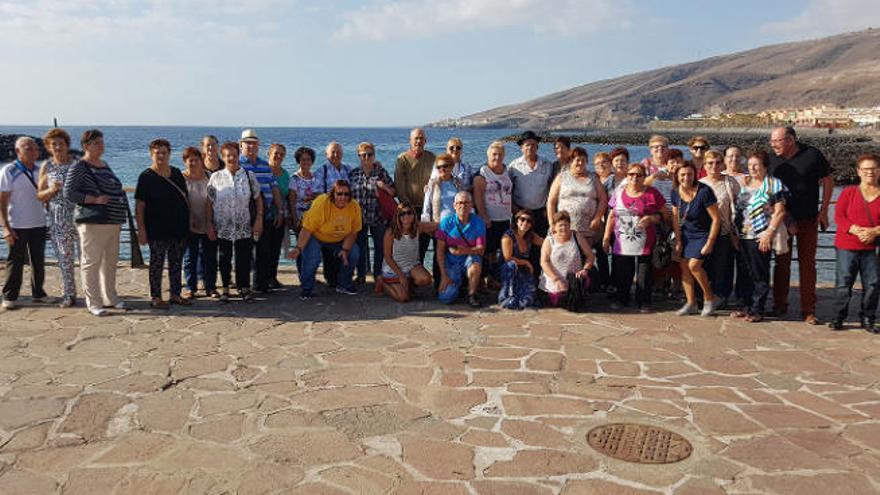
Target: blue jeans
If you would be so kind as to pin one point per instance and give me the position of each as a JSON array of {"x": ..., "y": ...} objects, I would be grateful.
[
  {"x": 377, "y": 232},
  {"x": 864, "y": 264},
  {"x": 200, "y": 262},
  {"x": 456, "y": 270},
  {"x": 311, "y": 257}
]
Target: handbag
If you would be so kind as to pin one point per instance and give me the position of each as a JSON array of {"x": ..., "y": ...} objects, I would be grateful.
[
  {"x": 387, "y": 205},
  {"x": 661, "y": 254}
]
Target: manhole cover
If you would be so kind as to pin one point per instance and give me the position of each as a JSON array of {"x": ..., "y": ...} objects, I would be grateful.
[{"x": 639, "y": 443}]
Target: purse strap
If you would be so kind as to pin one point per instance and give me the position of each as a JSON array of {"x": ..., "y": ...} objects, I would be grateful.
[{"x": 176, "y": 187}]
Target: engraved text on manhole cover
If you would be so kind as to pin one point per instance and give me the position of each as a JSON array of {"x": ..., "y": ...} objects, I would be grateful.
[{"x": 639, "y": 443}]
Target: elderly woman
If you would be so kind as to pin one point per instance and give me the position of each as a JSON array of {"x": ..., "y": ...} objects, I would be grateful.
[
  {"x": 603, "y": 168},
  {"x": 659, "y": 147},
  {"x": 733, "y": 164},
  {"x": 402, "y": 269},
  {"x": 493, "y": 197},
  {"x": 635, "y": 212},
  {"x": 856, "y": 215},
  {"x": 200, "y": 256},
  {"x": 62, "y": 230},
  {"x": 698, "y": 146},
  {"x": 461, "y": 170},
  {"x": 760, "y": 214},
  {"x": 162, "y": 212},
  {"x": 562, "y": 256},
  {"x": 303, "y": 190},
  {"x": 276, "y": 155},
  {"x": 231, "y": 222},
  {"x": 366, "y": 182},
  {"x": 619, "y": 165},
  {"x": 440, "y": 192},
  {"x": 211, "y": 153},
  {"x": 102, "y": 208},
  {"x": 517, "y": 273},
  {"x": 697, "y": 223},
  {"x": 580, "y": 193},
  {"x": 332, "y": 223},
  {"x": 720, "y": 266}
]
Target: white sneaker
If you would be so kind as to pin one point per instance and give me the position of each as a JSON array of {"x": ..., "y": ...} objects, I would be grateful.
[
  {"x": 687, "y": 309},
  {"x": 709, "y": 307},
  {"x": 98, "y": 311},
  {"x": 10, "y": 305}
]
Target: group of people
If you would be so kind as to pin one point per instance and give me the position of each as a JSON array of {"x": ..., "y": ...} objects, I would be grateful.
[{"x": 538, "y": 232}]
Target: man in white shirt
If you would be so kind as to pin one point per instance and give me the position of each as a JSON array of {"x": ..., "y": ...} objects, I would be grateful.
[
  {"x": 23, "y": 220},
  {"x": 531, "y": 176}
]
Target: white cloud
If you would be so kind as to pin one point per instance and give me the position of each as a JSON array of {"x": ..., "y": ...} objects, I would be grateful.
[
  {"x": 825, "y": 17},
  {"x": 416, "y": 19}
]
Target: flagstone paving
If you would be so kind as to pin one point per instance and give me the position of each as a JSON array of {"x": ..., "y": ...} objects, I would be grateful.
[{"x": 346, "y": 395}]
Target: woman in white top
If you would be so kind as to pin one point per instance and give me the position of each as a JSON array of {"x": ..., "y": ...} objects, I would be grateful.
[
  {"x": 493, "y": 191},
  {"x": 402, "y": 268},
  {"x": 562, "y": 256},
  {"x": 580, "y": 193}
]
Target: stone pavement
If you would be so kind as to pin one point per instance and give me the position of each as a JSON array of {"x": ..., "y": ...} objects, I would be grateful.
[{"x": 361, "y": 395}]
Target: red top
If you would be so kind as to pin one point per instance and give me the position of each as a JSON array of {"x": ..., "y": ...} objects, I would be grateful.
[{"x": 850, "y": 210}]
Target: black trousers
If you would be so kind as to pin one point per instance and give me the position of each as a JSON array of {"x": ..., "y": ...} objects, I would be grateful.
[
  {"x": 758, "y": 272},
  {"x": 242, "y": 248},
  {"x": 623, "y": 269},
  {"x": 267, "y": 255},
  {"x": 30, "y": 246}
]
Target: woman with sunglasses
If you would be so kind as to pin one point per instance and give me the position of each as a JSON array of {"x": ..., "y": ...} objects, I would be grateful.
[
  {"x": 366, "y": 181},
  {"x": 698, "y": 146},
  {"x": 635, "y": 212},
  {"x": 332, "y": 223},
  {"x": 402, "y": 269},
  {"x": 696, "y": 222},
  {"x": 460, "y": 170},
  {"x": 517, "y": 273}
]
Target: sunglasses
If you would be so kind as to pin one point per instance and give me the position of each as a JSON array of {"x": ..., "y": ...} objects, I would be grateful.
[
  {"x": 365, "y": 155},
  {"x": 524, "y": 219},
  {"x": 407, "y": 213},
  {"x": 454, "y": 148},
  {"x": 700, "y": 148},
  {"x": 635, "y": 174},
  {"x": 346, "y": 194}
]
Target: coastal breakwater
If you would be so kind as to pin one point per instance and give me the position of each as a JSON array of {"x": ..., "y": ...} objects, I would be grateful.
[{"x": 841, "y": 149}]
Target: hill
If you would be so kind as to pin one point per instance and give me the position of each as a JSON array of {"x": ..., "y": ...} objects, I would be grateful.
[{"x": 841, "y": 70}]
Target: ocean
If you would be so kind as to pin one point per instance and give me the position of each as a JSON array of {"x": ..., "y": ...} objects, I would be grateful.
[{"x": 126, "y": 152}]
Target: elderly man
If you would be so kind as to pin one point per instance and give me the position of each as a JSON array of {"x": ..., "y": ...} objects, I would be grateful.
[
  {"x": 411, "y": 175},
  {"x": 333, "y": 170},
  {"x": 23, "y": 221},
  {"x": 251, "y": 162},
  {"x": 461, "y": 240},
  {"x": 531, "y": 176},
  {"x": 802, "y": 169}
]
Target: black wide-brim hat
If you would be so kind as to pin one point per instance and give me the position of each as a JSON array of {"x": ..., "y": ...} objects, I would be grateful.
[{"x": 526, "y": 136}]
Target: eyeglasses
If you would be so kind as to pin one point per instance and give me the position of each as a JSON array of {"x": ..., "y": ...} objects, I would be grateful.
[
  {"x": 524, "y": 219},
  {"x": 454, "y": 148},
  {"x": 462, "y": 203},
  {"x": 407, "y": 213},
  {"x": 344, "y": 194},
  {"x": 873, "y": 170},
  {"x": 635, "y": 174},
  {"x": 700, "y": 148},
  {"x": 365, "y": 155}
]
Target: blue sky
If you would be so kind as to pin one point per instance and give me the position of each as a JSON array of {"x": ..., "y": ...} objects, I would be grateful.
[{"x": 359, "y": 63}]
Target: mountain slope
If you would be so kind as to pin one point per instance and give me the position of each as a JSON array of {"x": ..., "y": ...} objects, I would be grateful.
[{"x": 842, "y": 70}]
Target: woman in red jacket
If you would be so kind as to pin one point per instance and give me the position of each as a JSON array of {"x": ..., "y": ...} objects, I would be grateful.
[{"x": 856, "y": 215}]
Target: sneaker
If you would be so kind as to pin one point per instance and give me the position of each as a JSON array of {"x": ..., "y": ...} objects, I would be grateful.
[
  {"x": 246, "y": 295},
  {"x": 687, "y": 309},
  {"x": 213, "y": 294},
  {"x": 10, "y": 305},
  {"x": 710, "y": 307},
  {"x": 836, "y": 325},
  {"x": 474, "y": 301},
  {"x": 224, "y": 298},
  {"x": 347, "y": 292},
  {"x": 305, "y": 296},
  {"x": 98, "y": 312},
  {"x": 119, "y": 305}
]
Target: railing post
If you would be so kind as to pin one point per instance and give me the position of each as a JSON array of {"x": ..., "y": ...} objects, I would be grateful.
[{"x": 137, "y": 259}]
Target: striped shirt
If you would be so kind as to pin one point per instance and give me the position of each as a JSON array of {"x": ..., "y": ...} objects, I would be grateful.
[
  {"x": 266, "y": 178},
  {"x": 85, "y": 179}
]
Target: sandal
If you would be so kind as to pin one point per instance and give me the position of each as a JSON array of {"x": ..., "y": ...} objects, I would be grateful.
[
  {"x": 180, "y": 300},
  {"x": 224, "y": 298},
  {"x": 739, "y": 314},
  {"x": 754, "y": 318},
  {"x": 158, "y": 304}
]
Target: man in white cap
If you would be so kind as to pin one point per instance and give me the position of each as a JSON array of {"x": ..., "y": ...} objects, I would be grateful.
[
  {"x": 272, "y": 218},
  {"x": 23, "y": 221}
]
